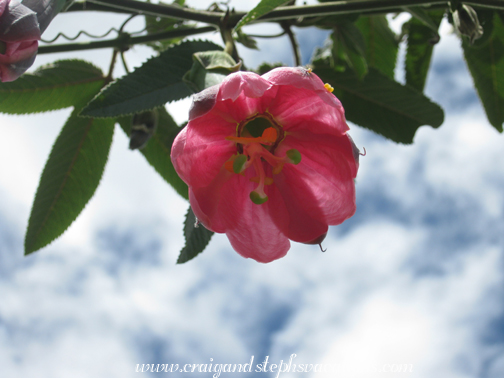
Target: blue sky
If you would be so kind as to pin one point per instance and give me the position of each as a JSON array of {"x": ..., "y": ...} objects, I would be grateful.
[{"x": 415, "y": 277}]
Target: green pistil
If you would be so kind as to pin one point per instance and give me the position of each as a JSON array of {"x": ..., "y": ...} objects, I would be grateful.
[{"x": 257, "y": 198}]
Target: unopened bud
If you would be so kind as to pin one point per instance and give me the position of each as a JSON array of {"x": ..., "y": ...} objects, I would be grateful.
[{"x": 467, "y": 23}]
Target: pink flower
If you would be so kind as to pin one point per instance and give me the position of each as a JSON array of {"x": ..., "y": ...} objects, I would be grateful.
[{"x": 267, "y": 159}]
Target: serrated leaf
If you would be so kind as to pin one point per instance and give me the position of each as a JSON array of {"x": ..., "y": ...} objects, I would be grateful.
[
  {"x": 420, "y": 44},
  {"x": 158, "y": 149},
  {"x": 55, "y": 86},
  {"x": 381, "y": 44},
  {"x": 196, "y": 236},
  {"x": 69, "y": 179},
  {"x": 264, "y": 7},
  {"x": 485, "y": 60},
  {"x": 381, "y": 104},
  {"x": 156, "y": 82}
]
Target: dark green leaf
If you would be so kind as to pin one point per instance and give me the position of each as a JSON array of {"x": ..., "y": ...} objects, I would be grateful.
[
  {"x": 381, "y": 104},
  {"x": 485, "y": 60},
  {"x": 70, "y": 177},
  {"x": 196, "y": 236},
  {"x": 381, "y": 44},
  {"x": 264, "y": 7},
  {"x": 156, "y": 82},
  {"x": 158, "y": 149},
  {"x": 55, "y": 86},
  {"x": 348, "y": 43},
  {"x": 420, "y": 44}
]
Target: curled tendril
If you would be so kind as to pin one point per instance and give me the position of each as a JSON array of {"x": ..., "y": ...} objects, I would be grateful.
[{"x": 82, "y": 32}]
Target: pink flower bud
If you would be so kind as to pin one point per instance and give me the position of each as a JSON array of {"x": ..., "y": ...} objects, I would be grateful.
[
  {"x": 267, "y": 159},
  {"x": 21, "y": 26}
]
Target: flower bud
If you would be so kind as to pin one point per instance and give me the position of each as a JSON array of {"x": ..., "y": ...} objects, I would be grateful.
[
  {"x": 21, "y": 26},
  {"x": 143, "y": 127},
  {"x": 467, "y": 23}
]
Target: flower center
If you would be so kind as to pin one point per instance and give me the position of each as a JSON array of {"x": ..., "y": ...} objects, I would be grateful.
[{"x": 256, "y": 141}]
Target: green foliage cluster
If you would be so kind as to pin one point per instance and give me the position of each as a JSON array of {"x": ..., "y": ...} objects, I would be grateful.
[{"x": 358, "y": 60}]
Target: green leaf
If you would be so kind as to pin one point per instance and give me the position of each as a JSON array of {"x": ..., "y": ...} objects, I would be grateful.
[
  {"x": 55, "y": 86},
  {"x": 196, "y": 236},
  {"x": 156, "y": 82},
  {"x": 485, "y": 60},
  {"x": 420, "y": 44},
  {"x": 347, "y": 36},
  {"x": 209, "y": 68},
  {"x": 381, "y": 104},
  {"x": 70, "y": 177},
  {"x": 264, "y": 7},
  {"x": 157, "y": 151},
  {"x": 381, "y": 43}
]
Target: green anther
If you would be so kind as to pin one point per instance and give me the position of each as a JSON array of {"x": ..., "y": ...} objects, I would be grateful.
[
  {"x": 238, "y": 163},
  {"x": 3, "y": 47},
  {"x": 294, "y": 156},
  {"x": 257, "y": 199}
]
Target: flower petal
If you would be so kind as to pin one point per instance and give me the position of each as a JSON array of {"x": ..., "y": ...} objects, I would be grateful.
[
  {"x": 300, "y": 109},
  {"x": 3, "y": 4},
  {"x": 200, "y": 150},
  {"x": 250, "y": 83},
  {"x": 325, "y": 176},
  {"x": 225, "y": 206}
]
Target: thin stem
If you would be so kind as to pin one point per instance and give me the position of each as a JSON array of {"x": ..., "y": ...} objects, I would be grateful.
[
  {"x": 125, "y": 65},
  {"x": 280, "y": 13},
  {"x": 121, "y": 42},
  {"x": 163, "y": 10},
  {"x": 108, "y": 78},
  {"x": 266, "y": 36},
  {"x": 292, "y": 38}
]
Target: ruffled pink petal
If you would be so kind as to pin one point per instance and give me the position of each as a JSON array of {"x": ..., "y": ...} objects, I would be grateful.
[
  {"x": 248, "y": 83},
  {"x": 200, "y": 150},
  {"x": 324, "y": 177},
  {"x": 225, "y": 206},
  {"x": 302, "y": 109}
]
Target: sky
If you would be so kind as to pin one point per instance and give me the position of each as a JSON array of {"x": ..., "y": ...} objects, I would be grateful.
[{"x": 414, "y": 280}]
